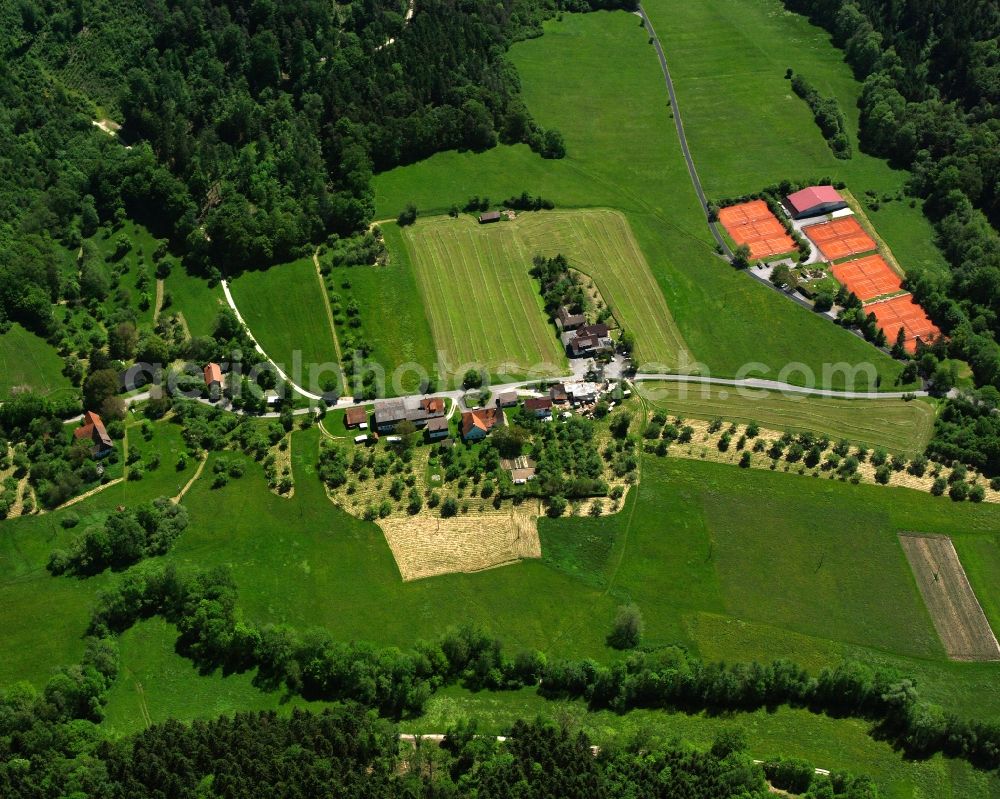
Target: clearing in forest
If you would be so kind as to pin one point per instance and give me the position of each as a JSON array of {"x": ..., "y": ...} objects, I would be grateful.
[
  {"x": 951, "y": 602},
  {"x": 485, "y": 308}
]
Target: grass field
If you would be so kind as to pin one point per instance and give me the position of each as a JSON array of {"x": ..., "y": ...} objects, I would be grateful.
[
  {"x": 821, "y": 579},
  {"x": 194, "y": 300},
  {"x": 595, "y": 78},
  {"x": 29, "y": 360},
  {"x": 483, "y": 306},
  {"x": 283, "y": 307},
  {"x": 746, "y": 127},
  {"x": 453, "y": 255},
  {"x": 392, "y": 314},
  {"x": 899, "y": 426}
]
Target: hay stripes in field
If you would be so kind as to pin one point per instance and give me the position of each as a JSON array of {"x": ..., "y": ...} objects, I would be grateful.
[{"x": 958, "y": 617}]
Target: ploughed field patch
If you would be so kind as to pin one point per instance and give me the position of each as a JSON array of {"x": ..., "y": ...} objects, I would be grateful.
[{"x": 951, "y": 602}]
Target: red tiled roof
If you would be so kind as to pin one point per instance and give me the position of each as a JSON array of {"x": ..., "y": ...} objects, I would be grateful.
[
  {"x": 814, "y": 195},
  {"x": 483, "y": 418},
  {"x": 537, "y": 403},
  {"x": 356, "y": 415},
  {"x": 432, "y": 404},
  {"x": 213, "y": 374},
  {"x": 92, "y": 428}
]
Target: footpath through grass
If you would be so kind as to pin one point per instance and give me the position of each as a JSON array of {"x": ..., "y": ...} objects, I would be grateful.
[
  {"x": 283, "y": 308},
  {"x": 596, "y": 79},
  {"x": 897, "y": 425}
]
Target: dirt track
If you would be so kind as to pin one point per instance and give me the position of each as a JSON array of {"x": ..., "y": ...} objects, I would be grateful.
[{"x": 957, "y": 614}]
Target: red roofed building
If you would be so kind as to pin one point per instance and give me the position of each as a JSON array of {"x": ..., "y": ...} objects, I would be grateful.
[
  {"x": 213, "y": 376},
  {"x": 355, "y": 415},
  {"x": 92, "y": 429},
  {"x": 477, "y": 424},
  {"x": 814, "y": 201}
]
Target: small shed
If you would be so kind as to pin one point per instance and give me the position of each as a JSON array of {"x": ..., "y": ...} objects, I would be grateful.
[{"x": 489, "y": 216}]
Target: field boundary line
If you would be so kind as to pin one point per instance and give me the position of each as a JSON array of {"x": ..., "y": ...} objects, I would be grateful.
[{"x": 329, "y": 314}]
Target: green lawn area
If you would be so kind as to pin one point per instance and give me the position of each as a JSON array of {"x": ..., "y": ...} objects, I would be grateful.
[
  {"x": 194, "y": 300},
  {"x": 464, "y": 270},
  {"x": 483, "y": 306},
  {"x": 283, "y": 307},
  {"x": 29, "y": 360},
  {"x": 899, "y": 426},
  {"x": 822, "y": 577},
  {"x": 745, "y": 126},
  {"x": 392, "y": 315},
  {"x": 595, "y": 78}
]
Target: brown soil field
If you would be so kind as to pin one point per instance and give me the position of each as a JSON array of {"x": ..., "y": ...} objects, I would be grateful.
[{"x": 955, "y": 611}]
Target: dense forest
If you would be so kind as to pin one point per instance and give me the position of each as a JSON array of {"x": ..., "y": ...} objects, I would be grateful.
[
  {"x": 347, "y": 751},
  {"x": 931, "y": 103}
]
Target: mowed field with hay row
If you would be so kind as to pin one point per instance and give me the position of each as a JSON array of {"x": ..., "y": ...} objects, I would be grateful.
[
  {"x": 595, "y": 78},
  {"x": 483, "y": 306},
  {"x": 283, "y": 307},
  {"x": 599, "y": 243},
  {"x": 897, "y": 425},
  {"x": 957, "y": 614}
]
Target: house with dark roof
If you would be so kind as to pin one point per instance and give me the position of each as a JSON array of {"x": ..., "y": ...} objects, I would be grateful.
[
  {"x": 814, "y": 201},
  {"x": 507, "y": 399},
  {"x": 477, "y": 424},
  {"x": 390, "y": 412},
  {"x": 588, "y": 341},
  {"x": 92, "y": 429},
  {"x": 539, "y": 407},
  {"x": 566, "y": 320},
  {"x": 557, "y": 393},
  {"x": 355, "y": 415},
  {"x": 437, "y": 428}
]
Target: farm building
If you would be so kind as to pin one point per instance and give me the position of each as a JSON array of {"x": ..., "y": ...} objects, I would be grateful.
[
  {"x": 587, "y": 341},
  {"x": 489, "y": 216},
  {"x": 566, "y": 320},
  {"x": 437, "y": 428},
  {"x": 213, "y": 376},
  {"x": 814, "y": 201},
  {"x": 541, "y": 407},
  {"x": 558, "y": 395},
  {"x": 92, "y": 429},
  {"x": 583, "y": 392},
  {"x": 355, "y": 416},
  {"x": 390, "y": 412},
  {"x": 508, "y": 399},
  {"x": 477, "y": 424}
]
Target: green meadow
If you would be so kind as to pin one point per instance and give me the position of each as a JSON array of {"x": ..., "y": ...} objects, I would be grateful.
[
  {"x": 734, "y": 564},
  {"x": 392, "y": 313},
  {"x": 283, "y": 307},
  {"x": 194, "y": 299},
  {"x": 29, "y": 360},
  {"x": 595, "y": 78},
  {"x": 747, "y": 129},
  {"x": 897, "y": 425}
]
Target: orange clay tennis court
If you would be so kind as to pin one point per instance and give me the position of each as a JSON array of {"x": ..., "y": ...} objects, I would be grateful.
[
  {"x": 840, "y": 238},
  {"x": 904, "y": 312},
  {"x": 753, "y": 224},
  {"x": 867, "y": 277}
]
